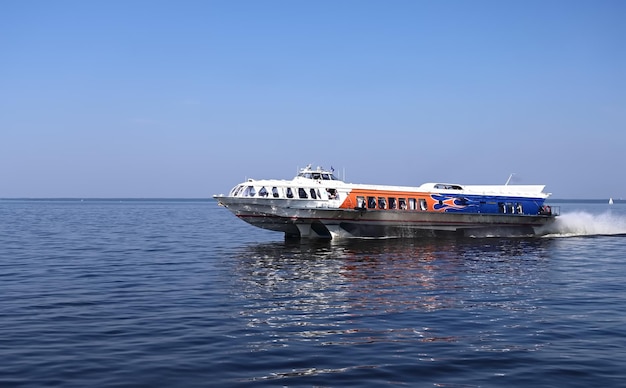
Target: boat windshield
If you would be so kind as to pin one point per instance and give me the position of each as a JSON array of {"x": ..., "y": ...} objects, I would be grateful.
[{"x": 318, "y": 176}]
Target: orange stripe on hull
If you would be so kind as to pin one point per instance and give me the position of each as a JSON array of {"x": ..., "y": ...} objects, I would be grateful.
[{"x": 352, "y": 202}]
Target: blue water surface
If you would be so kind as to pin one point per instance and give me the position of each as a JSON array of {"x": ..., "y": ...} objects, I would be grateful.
[{"x": 181, "y": 293}]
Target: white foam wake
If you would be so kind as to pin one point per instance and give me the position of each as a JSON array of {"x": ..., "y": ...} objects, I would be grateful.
[{"x": 585, "y": 224}]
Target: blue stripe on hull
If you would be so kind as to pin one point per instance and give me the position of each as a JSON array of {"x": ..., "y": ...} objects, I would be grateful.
[{"x": 458, "y": 203}]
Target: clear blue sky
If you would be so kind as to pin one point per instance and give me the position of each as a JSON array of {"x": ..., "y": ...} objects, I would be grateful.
[{"x": 188, "y": 98}]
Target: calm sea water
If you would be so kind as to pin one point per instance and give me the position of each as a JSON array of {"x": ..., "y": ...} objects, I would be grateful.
[{"x": 181, "y": 293}]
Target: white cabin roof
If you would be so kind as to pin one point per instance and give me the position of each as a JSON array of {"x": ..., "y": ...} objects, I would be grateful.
[
  {"x": 512, "y": 190},
  {"x": 326, "y": 178}
]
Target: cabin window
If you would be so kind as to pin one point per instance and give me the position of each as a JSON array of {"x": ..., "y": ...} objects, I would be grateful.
[
  {"x": 412, "y": 203},
  {"x": 275, "y": 192},
  {"x": 441, "y": 186},
  {"x": 519, "y": 208},
  {"x": 332, "y": 194},
  {"x": 237, "y": 190},
  {"x": 249, "y": 192},
  {"x": 289, "y": 192},
  {"x": 511, "y": 208},
  {"x": 371, "y": 202},
  {"x": 313, "y": 195},
  {"x": 302, "y": 193},
  {"x": 360, "y": 202},
  {"x": 402, "y": 203},
  {"x": 325, "y": 177},
  {"x": 501, "y": 207},
  {"x": 382, "y": 203},
  {"x": 423, "y": 204},
  {"x": 263, "y": 192},
  {"x": 392, "y": 203}
]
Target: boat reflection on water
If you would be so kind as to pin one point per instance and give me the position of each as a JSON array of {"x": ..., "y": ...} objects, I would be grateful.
[{"x": 365, "y": 291}]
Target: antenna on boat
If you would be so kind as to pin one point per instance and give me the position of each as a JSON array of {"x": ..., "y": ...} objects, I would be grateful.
[{"x": 508, "y": 180}]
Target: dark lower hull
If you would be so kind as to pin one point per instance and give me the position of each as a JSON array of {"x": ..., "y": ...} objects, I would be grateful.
[{"x": 330, "y": 223}]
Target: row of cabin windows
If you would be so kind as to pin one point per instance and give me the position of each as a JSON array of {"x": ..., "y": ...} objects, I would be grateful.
[
  {"x": 369, "y": 202},
  {"x": 510, "y": 208},
  {"x": 372, "y": 202},
  {"x": 300, "y": 192}
]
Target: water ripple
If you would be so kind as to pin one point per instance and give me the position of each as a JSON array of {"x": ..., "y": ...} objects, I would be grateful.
[{"x": 180, "y": 293}]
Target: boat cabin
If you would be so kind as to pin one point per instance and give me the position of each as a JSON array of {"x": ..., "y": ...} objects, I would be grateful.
[{"x": 308, "y": 184}]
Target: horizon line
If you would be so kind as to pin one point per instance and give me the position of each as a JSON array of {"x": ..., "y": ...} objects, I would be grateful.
[{"x": 213, "y": 199}]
